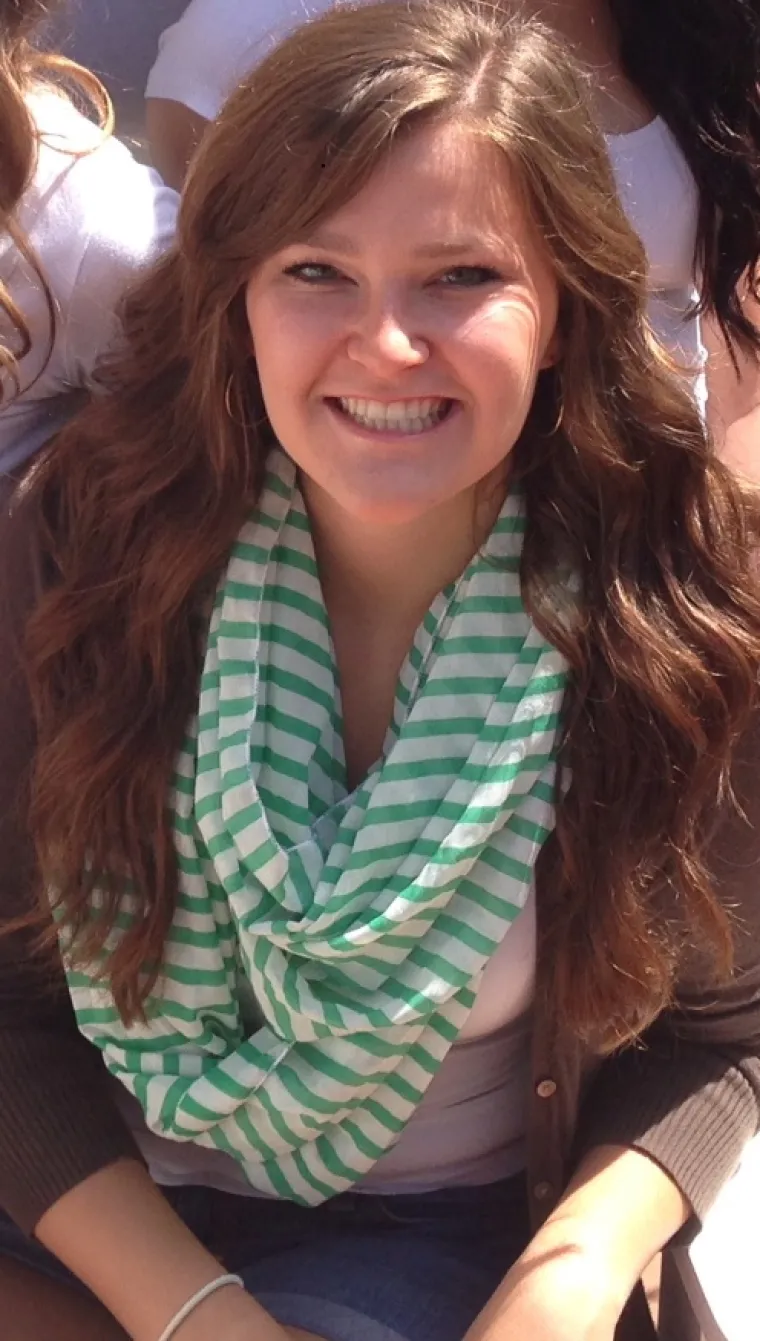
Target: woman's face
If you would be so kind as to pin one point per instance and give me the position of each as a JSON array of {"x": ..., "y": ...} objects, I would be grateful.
[{"x": 398, "y": 346}]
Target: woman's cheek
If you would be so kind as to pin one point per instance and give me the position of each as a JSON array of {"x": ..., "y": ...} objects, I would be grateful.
[{"x": 506, "y": 343}]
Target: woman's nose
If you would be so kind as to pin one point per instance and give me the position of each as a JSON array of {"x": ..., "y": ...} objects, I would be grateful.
[{"x": 386, "y": 342}]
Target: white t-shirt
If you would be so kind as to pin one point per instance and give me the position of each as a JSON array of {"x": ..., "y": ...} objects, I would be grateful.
[
  {"x": 215, "y": 43},
  {"x": 94, "y": 220},
  {"x": 661, "y": 200}
]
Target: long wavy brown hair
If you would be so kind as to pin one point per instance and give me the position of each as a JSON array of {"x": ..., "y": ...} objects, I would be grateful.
[
  {"x": 26, "y": 66},
  {"x": 139, "y": 501}
]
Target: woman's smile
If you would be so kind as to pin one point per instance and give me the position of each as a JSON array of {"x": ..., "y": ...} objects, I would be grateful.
[{"x": 393, "y": 418}]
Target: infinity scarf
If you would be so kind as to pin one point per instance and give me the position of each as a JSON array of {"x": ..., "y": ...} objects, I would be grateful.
[{"x": 327, "y": 946}]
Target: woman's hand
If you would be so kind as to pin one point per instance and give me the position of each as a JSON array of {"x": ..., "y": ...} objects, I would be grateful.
[
  {"x": 574, "y": 1279},
  {"x": 551, "y": 1296}
]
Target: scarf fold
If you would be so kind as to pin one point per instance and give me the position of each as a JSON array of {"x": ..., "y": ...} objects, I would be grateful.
[{"x": 327, "y": 946}]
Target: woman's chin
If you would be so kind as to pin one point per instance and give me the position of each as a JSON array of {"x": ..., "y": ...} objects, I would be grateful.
[
  {"x": 383, "y": 492},
  {"x": 379, "y": 513}
]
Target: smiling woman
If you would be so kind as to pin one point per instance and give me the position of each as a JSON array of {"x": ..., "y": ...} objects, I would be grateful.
[
  {"x": 425, "y": 285},
  {"x": 372, "y": 839}
]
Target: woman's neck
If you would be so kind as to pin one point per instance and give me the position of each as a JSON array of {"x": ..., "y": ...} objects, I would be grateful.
[
  {"x": 378, "y": 583},
  {"x": 586, "y": 23},
  {"x": 395, "y": 571},
  {"x": 590, "y": 30}
]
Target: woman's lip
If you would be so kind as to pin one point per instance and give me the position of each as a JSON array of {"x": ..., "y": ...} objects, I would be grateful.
[{"x": 391, "y": 400}]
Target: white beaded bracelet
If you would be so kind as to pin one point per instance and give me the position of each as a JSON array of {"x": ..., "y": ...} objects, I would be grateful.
[{"x": 197, "y": 1299}]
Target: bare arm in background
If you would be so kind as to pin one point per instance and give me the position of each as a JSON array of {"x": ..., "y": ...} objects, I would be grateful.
[{"x": 174, "y": 133}]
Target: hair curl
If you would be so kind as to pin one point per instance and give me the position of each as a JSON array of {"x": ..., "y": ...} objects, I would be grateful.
[
  {"x": 139, "y": 501},
  {"x": 24, "y": 67}
]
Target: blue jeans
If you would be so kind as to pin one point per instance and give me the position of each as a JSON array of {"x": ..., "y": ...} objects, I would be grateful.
[{"x": 416, "y": 1267}]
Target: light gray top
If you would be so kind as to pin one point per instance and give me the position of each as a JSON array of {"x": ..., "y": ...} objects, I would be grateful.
[{"x": 94, "y": 218}]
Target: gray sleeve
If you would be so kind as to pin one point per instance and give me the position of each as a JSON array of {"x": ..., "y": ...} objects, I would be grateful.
[
  {"x": 689, "y": 1096},
  {"x": 58, "y": 1122}
]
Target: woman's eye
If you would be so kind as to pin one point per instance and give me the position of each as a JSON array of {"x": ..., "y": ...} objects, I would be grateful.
[
  {"x": 469, "y": 276},
  {"x": 313, "y": 272}
]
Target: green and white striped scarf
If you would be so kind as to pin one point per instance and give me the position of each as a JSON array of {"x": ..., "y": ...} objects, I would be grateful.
[{"x": 327, "y": 947}]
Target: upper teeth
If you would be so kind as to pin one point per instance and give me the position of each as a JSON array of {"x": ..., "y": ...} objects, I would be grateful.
[{"x": 412, "y": 415}]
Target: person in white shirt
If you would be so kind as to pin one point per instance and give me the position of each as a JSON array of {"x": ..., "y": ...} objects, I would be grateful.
[
  {"x": 80, "y": 218},
  {"x": 200, "y": 60}
]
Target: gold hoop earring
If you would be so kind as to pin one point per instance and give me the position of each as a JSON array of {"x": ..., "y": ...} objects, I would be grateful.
[
  {"x": 560, "y": 392},
  {"x": 239, "y": 423},
  {"x": 559, "y": 420}
]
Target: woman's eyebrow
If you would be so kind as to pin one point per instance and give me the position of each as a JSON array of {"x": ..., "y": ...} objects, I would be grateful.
[{"x": 436, "y": 248}]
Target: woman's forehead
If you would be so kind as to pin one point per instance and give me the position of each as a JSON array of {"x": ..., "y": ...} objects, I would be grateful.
[{"x": 441, "y": 187}]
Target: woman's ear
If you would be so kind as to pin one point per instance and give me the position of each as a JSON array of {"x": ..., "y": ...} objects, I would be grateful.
[{"x": 554, "y": 350}]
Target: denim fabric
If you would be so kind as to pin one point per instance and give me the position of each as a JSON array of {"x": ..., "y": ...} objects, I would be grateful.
[{"x": 360, "y": 1267}]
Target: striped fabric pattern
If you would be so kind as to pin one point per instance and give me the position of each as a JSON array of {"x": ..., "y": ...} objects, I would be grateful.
[{"x": 327, "y": 946}]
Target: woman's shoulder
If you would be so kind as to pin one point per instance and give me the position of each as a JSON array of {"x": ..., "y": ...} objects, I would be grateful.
[
  {"x": 88, "y": 188},
  {"x": 95, "y": 217}
]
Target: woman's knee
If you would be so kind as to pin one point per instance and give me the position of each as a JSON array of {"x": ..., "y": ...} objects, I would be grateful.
[{"x": 34, "y": 1306}]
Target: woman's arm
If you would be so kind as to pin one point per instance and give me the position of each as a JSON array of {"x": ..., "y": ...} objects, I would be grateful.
[
  {"x": 662, "y": 1127},
  {"x": 57, "y": 1122},
  {"x": 199, "y": 61},
  {"x": 69, "y": 1169},
  {"x": 574, "y": 1279},
  {"x": 689, "y": 1096},
  {"x": 174, "y": 133},
  {"x": 120, "y": 1236}
]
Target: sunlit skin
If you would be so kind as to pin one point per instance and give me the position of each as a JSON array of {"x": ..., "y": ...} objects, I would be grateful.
[{"x": 431, "y": 285}]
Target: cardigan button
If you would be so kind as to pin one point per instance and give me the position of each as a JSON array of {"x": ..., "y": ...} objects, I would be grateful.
[
  {"x": 546, "y": 1089},
  {"x": 542, "y": 1191}
]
